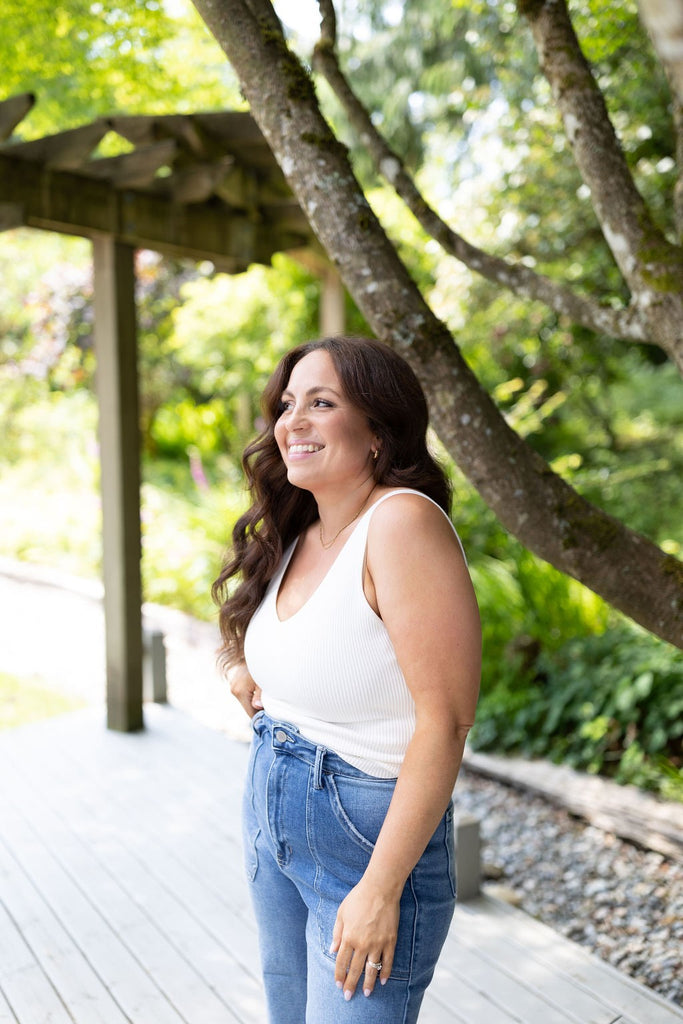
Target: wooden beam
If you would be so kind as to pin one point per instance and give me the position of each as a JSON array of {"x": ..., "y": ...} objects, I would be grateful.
[
  {"x": 13, "y": 111},
  {"x": 119, "y": 436},
  {"x": 133, "y": 170},
  {"x": 76, "y": 204},
  {"x": 66, "y": 150},
  {"x": 147, "y": 129},
  {"x": 196, "y": 183}
]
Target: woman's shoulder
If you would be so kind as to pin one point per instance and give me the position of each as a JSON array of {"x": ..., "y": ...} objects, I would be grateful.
[
  {"x": 399, "y": 516},
  {"x": 403, "y": 505}
]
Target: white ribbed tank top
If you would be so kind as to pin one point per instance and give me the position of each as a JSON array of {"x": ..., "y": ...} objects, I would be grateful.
[{"x": 330, "y": 669}]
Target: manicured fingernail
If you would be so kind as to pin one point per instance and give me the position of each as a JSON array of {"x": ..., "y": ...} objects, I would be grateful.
[
  {"x": 367, "y": 992},
  {"x": 382, "y": 981},
  {"x": 339, "y": 984},
  {"x": 347, "y": 995}
]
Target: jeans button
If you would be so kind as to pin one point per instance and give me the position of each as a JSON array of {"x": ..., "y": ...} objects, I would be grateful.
[{"x": 281, "y": 736}]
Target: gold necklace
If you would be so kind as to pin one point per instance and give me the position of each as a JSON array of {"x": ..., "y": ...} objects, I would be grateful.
[{"x": 327, "y": 546}]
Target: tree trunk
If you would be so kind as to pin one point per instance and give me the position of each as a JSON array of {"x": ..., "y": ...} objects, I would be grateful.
[{"x": 536, "y": 505}]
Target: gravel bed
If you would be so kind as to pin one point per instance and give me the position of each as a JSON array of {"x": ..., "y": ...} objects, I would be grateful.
[{"x": 623, "y": 903}]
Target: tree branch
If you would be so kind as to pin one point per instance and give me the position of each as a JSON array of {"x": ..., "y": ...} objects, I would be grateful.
[
  {"x": 678, "y": 188},
  {"x": 328, "y": 23},
  {"x": 651, "y": 266},
  {"x": 535, "y": 504},
  {"x": 626, "y": 324},
  {"x": 664, "y": 21}
]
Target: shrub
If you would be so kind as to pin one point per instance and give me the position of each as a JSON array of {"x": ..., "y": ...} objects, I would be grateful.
[{"x": 609, "y": 704}]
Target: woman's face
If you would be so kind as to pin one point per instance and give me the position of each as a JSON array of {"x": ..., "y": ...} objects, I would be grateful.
[{"x": 325, "y": 441}]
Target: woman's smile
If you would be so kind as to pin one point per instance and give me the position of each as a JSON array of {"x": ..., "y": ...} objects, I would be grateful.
[{"x": 304, "y": 448}]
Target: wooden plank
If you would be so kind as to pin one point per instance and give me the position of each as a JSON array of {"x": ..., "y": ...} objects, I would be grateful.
[
  {"x": 191, "y": 919},
  {"x": 119, "y": 437},
  {"x": 82, "y": 888},
  {"x": 500, "y": 955},
  {"x": 464, "y": 1006},
  {"x": 588, "y": 973},
  {"x": 26, "y": 994},
  {"x": 54, "y": 956},
  {"x": 6, "y": 1014},
  {"x": 495, "y": 985}
]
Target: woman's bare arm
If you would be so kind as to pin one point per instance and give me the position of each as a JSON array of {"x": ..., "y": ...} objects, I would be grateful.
[{"x": 420, "y": 586}]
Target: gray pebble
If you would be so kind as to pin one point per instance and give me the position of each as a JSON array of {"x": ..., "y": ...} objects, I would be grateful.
[{"x": 622, "y": 903}]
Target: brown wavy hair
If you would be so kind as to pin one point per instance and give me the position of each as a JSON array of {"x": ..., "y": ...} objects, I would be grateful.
[{"x": 382, "y": 385}]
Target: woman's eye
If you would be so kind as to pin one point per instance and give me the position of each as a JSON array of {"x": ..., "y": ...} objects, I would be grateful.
[{"x": 321, "y": 403}]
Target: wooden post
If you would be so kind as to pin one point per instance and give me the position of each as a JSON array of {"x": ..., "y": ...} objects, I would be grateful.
[
  {"x": 119, "y": 436},
  {"x": 467, "y": 857},
  {"x": 332, "y": 307}
]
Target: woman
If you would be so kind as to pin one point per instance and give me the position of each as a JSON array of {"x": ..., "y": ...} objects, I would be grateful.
[{"x": 353, "y": 640}]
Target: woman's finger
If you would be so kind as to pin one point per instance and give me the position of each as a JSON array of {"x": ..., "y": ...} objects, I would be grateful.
[
  {"x": 256, "y": 701},
  {"x": 373, "y": 967},
  {"x": 354, "y": 971}
]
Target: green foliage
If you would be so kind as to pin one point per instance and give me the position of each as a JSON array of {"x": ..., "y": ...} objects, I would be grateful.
[
  {"x": 207, "y": 342},
  {"x": 50, "y": 509},
  {"x": 611, "y": 703},
  {"x": 85, "y": 59},
  {"x": 563, "y": 676},
  {"x": 227, "y": 334}
]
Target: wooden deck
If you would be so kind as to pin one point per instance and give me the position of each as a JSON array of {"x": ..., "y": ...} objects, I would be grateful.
[{"x": 122, "y": 897}]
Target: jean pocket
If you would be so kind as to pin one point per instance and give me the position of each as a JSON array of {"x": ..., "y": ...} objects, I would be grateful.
[
  {"x": 359, "y": 807},
  {"x": 449, "y": 843}
]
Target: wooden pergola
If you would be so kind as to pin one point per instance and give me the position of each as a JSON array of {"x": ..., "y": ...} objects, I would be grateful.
[{"x": 203, "y": 186}]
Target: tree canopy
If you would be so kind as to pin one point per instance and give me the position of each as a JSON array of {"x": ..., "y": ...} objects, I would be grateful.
[{"x": 85, "y": 59}]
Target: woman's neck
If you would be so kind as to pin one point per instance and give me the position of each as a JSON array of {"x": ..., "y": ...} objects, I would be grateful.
[{"x": 337, "y": 516}]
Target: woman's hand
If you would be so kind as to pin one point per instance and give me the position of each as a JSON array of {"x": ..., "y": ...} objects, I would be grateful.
[
  {"x": 243, "y": 687},
  {"x": 364, "y": 934}
]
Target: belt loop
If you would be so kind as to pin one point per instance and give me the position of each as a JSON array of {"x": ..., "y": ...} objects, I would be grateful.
[{"x": 318, "y": 769}]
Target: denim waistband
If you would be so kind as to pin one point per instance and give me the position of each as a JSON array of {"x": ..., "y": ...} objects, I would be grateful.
[{"x": 287, "y": 739}]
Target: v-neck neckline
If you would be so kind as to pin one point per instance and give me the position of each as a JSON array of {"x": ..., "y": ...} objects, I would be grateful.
[{"x": 321, "y": 582}]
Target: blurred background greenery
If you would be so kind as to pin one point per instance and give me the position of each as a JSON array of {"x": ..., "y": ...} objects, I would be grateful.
[{"x": 565, "y": 677}]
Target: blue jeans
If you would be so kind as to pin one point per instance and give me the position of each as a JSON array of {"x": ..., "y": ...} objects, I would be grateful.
[{"x": 310, "y": 822}]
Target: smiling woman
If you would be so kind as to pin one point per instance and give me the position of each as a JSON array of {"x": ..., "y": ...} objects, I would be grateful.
[{"x": 360, "y": 707}]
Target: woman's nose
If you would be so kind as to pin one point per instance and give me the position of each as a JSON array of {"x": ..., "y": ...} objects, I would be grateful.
[{"x": 296, "y": 417}]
